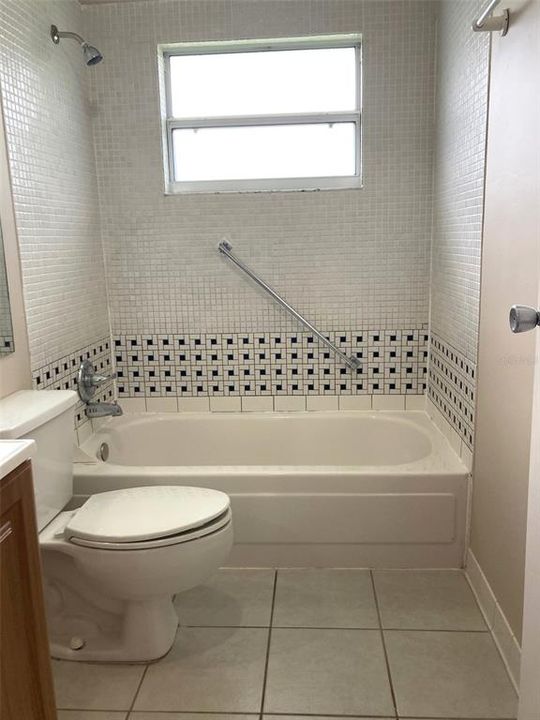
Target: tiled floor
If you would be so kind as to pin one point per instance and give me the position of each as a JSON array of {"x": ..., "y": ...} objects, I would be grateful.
[{"x": 323, "y": 643}]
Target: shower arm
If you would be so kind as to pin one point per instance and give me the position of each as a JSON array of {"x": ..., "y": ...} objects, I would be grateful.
[
  {"x": 225, "y": 249},
  {"x": 56, "y": 34}
]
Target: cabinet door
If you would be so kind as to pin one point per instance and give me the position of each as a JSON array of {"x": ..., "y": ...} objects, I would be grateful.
[{"x": 26, "y": 689}]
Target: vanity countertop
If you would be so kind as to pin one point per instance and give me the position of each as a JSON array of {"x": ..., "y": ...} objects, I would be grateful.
[{"x": 13, "y": 453}]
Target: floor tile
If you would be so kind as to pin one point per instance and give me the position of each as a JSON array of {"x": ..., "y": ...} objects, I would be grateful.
[
  {"x": 320, "y": 717},
  {"x": 426, "y": 600},
  {"x": 189, "y": 716},
  {"x": 327, "y": 672},
  {"x": 95, "y": 687},
  {"x": 230, "y": 597},
  {"x": 208, "y": 670},
  {"x": 90, "y": 715},
  {"x": 325, "y": 598},
  {"x": 449, "y": 674}
]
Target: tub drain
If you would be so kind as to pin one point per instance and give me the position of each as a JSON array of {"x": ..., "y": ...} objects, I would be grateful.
[{"x": 104, "y": 452}]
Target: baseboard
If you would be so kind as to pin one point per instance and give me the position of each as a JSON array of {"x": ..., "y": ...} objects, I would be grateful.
[{"x": 496, "y": 621}]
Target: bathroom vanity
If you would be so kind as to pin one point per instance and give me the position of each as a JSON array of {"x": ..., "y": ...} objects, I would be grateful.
[{"x": 26, "y": 686}]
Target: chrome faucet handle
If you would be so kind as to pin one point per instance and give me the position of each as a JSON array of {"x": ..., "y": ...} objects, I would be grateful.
[
  {"x": 96, "y": 379},
  {"x": 88, "y": 380}
]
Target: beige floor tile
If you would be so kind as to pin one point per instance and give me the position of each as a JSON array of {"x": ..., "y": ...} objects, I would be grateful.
[
  {"x": 449, "y": 674},
  {"x": 321, "y": 717},
  {"x": 208, "y": 670},
  {"x": 325, "y": 598},
  {"x": 230, "y": 597},
  {"x": 189, "y": 716},
  {"x": 90, "y": 715},
  {"x": 327, "y": 672},
  {"x": 426, "y": 600},
  {"x": 95, "y": 687}
]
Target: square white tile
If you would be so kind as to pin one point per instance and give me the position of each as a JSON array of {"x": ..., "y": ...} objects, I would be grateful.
[
  {"x": 230, "y": 597},
  {"x": 337, "y": 672},
  {"x": 95, "y": 687},
  {"x": 426, "y": 600},
  {"x": 323, "y": 598},
  {"x": 208, "y": 670},
  {"x": 449, "y": 674}
]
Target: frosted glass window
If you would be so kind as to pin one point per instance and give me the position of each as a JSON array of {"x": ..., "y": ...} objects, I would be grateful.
[
  {"x": 272, "y": 151},
  {"x": 261, "y": 83},
  {"x": 263, "y": 115}
]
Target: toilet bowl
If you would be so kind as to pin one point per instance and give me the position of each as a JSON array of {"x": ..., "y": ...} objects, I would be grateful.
[{"x": 113, "y": 566}]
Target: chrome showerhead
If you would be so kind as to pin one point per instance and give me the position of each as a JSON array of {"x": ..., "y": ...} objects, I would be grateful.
[{"x": 91, "y": 55}]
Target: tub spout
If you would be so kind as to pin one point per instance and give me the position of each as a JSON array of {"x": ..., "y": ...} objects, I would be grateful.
[{"x": 99, "y": 409}]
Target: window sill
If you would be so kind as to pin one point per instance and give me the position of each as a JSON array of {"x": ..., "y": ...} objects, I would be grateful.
[{"x": 263, "y": 187}]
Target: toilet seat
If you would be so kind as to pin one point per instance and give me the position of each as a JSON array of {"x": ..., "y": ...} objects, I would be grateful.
[
  {"x": 148, "y": 517},
  {"x": 183, "y": 537}
]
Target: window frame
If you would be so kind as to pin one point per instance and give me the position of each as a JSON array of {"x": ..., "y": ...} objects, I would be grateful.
[{"x": 170, "y": 123}]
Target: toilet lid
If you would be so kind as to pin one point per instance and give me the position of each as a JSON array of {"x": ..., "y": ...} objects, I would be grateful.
[{"x": 145, "y": 513}]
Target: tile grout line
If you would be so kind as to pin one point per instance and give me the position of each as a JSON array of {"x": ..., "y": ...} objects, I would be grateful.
[
  {"x": 349, "y": 629},
  {"x": 267, "y": 659},
  {"x": 387, "y": 663},
  {"x": 130, "y": 710}
]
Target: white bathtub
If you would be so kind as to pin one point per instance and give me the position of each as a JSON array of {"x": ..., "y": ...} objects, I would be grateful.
[{"x": 321, "y": 488}]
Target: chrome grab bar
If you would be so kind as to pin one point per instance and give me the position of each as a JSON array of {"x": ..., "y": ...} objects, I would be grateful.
[
  {"x": 487, "y": 23},
  {"x": 225, "y": 249}
]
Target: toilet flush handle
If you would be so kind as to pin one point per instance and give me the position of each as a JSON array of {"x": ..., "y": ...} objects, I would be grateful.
[{"x": 523, "y": 318}]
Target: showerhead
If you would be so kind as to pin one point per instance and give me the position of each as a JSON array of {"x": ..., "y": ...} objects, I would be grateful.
[{"x": 91, "y": 55}]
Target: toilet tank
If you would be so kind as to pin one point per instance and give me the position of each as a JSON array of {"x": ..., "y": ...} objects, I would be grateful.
[{"x": 45, "y": 416}]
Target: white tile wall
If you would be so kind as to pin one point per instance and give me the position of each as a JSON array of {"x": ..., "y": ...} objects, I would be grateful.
[
  {"x": 347, "y": 259},
  {"x": 49, "y": 136},
  {"x": 460, "y": 137}
]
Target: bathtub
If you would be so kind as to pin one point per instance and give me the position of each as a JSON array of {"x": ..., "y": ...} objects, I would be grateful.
[{"x": 339, "y": 489}]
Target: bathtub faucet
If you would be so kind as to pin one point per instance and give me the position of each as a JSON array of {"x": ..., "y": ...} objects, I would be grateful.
[{"x": 99, "y": 409}]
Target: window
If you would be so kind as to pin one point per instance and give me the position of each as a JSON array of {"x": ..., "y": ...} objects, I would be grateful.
[{"x": 263, "y": 115}]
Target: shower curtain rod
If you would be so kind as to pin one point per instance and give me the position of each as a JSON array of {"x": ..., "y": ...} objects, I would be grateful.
[{"x": 225, "y": 249}]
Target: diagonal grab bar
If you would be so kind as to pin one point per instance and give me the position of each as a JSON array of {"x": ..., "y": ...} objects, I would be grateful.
[{"x": 225, "y": 249}]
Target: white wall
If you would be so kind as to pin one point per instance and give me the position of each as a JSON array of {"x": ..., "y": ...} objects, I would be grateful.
[
  {"x": 349, "y": 260},
  {"x": 509, "y": 275},
  {"x": 460, "y": 138},
  {"x": 51, "y": 154}
]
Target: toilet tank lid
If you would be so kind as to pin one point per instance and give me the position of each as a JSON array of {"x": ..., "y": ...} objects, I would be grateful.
[{"x": 23, "y": 411}]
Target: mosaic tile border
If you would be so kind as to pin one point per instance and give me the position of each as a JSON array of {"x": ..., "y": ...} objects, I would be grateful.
[
  {"x": 6, "y": 344},
  {"x": 61, "y": 374},
  {"x": 452, "y": 387},
  {"x": 288, "y": 363}
]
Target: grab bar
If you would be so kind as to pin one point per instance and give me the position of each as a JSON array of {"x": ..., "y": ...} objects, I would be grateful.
[
  {"x": 487, "y": 23},
  {"x": 225, "y": 249}
]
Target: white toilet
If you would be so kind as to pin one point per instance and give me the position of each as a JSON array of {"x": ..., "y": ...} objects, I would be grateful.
[{"x": 112, "y": 566}]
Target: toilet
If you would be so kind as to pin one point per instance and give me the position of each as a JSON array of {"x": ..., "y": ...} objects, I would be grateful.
[{"x": 113, "y": 565}]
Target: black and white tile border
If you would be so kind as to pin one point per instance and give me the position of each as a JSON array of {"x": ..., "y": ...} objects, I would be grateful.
[
  {"x": 452, "y": 387},
  {"x": 243, "y": 364},
  {"x": 61, "y": 374}
]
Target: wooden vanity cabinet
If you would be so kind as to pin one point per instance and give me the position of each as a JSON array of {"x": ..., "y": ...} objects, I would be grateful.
[{"x": 26, "y": 686}]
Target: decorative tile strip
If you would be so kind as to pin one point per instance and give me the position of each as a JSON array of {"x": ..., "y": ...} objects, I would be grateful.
[
  {"x": 452, "y": 387},
  {"x": 61, "y": 374},
  {"x": 207, "y": 364}
]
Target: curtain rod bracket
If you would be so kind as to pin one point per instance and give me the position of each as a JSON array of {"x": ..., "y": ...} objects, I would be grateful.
[{"x": 486, "y": 22}]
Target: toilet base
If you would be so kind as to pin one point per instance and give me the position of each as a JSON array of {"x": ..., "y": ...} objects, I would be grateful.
[{"x": 145, "y": 631}]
